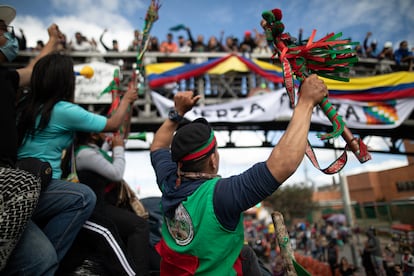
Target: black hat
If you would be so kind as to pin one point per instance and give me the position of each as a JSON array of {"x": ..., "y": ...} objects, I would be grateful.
[{"x": 193, "y": 141}]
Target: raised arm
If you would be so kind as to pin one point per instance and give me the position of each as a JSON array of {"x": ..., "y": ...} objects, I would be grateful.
[
  {"x": 101, "y": 40},
  {"x": 55, "y": 37},
  {"x": 183, "y": 102},
  {"x": 289, "y": 152},
  {"x": 115, "y": 121}
]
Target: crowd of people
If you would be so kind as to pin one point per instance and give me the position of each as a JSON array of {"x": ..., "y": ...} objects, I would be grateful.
[
  {"x": 401, "y": 55},
  {"x": 52, "y": 221},
  {"x": 42, "y": 213},
  {"x": 60, "y": 213},
  {"x": 251, "y": 42},
  {"x": 324, "y": 242}
]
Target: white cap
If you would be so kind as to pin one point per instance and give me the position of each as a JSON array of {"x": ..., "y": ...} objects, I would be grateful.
[
  {"x": 388, "y": 44},
  {"x": 7, "y": 14}
]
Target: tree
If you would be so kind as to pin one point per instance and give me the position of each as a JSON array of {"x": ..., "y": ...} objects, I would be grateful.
[{"x": 292, "y": 201}]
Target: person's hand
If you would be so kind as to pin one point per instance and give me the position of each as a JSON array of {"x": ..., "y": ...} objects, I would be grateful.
[
  {"x": 131, "y": 94},
  {"x": 184, "y": 101},
  {"x": 54, "y": 34},
  {"x": 117, "y": 140},
  {"x": 312, "y": 90},
  {"x": 369, "y": 34}
]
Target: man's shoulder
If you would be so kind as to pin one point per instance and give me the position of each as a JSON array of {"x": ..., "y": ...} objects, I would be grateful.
[{"x": 160, "y": 154}]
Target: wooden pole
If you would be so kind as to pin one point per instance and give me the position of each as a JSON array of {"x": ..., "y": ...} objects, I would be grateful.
[{"x": 282, "y": 237}]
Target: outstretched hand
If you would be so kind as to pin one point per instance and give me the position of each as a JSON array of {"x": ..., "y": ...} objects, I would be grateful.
[
  {"x": 184, "y": 101},
  {"x": 55, "y": 37},
  {"x": 55, "y": 34}
]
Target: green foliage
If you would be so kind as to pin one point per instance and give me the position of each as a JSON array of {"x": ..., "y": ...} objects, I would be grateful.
[{"x": 292, "y": 201}]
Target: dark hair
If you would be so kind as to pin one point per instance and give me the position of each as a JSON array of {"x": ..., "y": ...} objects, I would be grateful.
[
  {"x": 82, "y": 138},
  {"x": 195, "y": 166},
  {"x": 406, "y": 248},
  {"x": 53, "y": 80}
]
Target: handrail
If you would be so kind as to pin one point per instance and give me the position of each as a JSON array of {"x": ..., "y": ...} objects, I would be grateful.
[
  {"x": 369, "y": 62},
  {"x": 146, "y": 118}
]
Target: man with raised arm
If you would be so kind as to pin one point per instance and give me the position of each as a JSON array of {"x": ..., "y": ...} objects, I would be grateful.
[{"x": 202, "y": 233}]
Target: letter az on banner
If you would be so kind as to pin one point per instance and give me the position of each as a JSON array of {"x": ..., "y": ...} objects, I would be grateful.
[
  {"x": 275, "y": 106},
  {"x": 87, "y": 91}
]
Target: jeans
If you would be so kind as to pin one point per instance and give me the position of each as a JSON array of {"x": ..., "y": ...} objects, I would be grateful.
[
  {"x": 62, "y": 209},
  {"x": 33, "y": 255}
]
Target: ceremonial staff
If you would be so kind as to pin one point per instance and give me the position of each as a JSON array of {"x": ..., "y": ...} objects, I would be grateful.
[
  {"x": 328, "y": 57},
  {"x": 137, "y": 79}
]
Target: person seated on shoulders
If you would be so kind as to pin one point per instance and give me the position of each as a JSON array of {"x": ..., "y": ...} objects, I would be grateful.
[{"x": 203, "y": 233}]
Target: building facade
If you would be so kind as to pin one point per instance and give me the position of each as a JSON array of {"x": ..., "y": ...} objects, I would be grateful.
[{"x": 383, "y": 196}]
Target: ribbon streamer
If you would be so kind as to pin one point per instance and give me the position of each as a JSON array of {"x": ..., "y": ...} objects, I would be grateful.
[{"x": 329, "y": 57}]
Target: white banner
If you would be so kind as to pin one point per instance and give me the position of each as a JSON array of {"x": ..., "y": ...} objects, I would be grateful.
[
  {"x": 87, "y": 91},
  {"x": 275, "y": 106}
]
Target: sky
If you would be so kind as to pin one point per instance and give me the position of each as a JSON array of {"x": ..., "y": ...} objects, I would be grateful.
[{"x": 387, "y": 20}]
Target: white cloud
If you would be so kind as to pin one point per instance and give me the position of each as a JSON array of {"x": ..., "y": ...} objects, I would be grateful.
[
  {"x": 388, "y": 20},
  {"x": 33, "y": 28},
  {"x": 90, "y": 21}
]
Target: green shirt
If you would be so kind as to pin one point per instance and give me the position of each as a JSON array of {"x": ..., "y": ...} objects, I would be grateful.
[{"x": 196, "y": 231}]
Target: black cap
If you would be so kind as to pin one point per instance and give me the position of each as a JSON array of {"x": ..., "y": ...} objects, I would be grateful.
[{"x": 193, "y": 141}]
